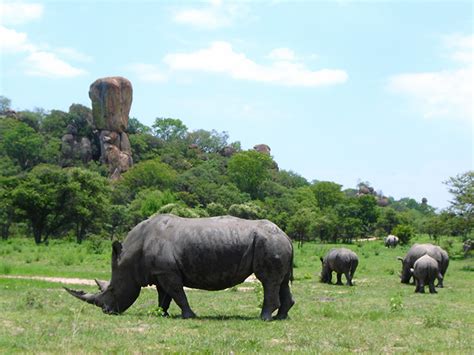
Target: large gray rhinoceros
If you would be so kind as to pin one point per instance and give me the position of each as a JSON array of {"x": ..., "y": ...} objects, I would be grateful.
[
  {"x": 416, "y": 252},
  {"x": 425, "y": 271},
  {"x": 204, "y": 253},
  {"x": 391, "y": 241},
  {"x": 342, "y": 261}
]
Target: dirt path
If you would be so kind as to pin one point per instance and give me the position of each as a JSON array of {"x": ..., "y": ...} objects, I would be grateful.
[{"x": 77, "y": 281}]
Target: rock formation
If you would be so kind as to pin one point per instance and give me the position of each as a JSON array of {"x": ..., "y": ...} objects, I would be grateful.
[
  {"x": 111, "y": 101},
  {"x": 74, "y": 147},
  {"x": 262, "y": 148}
]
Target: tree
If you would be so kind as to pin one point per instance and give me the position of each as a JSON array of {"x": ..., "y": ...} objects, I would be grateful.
[
  {"x": 7, "y": 209},
  {"x": 388, "y": 220},
  {"x": 88, "y": 201},
  {"x": 135, "y": 126},
  {"x": 208, "y": 141},
  {"x": 42, "y": 199},
  {"x": 462, "y": 188},
  {"x": 300, "y": 226},
  {"x": 149, "y": 174},
  {"x": 21, "y": 143},
  {"x": 327, "y": 193},
  {"x": 5, "y": 104},
  {"x": 148, "y": 202},
  {"x": 248, "y": 170},
  {"x": 169, "y": 129},
  {"x": 290, "y": 179}
]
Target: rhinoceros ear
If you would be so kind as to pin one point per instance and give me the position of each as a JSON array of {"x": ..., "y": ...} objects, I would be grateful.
[
  {"x": 116, "y": 251},
  {"x": 400, "y": 258}
]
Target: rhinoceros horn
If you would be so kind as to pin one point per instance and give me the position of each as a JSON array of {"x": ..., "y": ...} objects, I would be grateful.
[
  {"x": 87, "y": 297},
  {"x": 102, "y": 284}
]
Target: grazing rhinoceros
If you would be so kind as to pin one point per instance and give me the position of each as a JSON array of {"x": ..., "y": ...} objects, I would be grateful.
[
  {"x": 425, "y": 271},
  {"x": 416, "y": 252},
  {"x": 342, "y": 261},
  {"x": 205, "y": 253},
  {"x": 391, "y": 241}
]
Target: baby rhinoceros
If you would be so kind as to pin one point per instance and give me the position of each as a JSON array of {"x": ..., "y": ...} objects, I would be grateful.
[
  {"x": 425, "y": 271},
  {"x": 342, "y": 261}
]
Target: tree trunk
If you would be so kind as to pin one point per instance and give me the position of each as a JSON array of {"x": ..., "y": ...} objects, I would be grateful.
[{"x": 37, "y": 234}]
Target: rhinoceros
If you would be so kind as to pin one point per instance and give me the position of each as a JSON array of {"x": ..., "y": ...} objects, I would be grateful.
[
  {"x": 342, "y": 261},
  {"x": 205, "y": 253},
  {"x": 391, "y": 241},
  {"x": 425, "y": 271},
  {"x": 416, "y": 252}
]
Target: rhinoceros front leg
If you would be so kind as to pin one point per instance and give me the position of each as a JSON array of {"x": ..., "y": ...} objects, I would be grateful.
[
  {"x": 173, "y": 286},
  {"x": 164, "y": 300}
]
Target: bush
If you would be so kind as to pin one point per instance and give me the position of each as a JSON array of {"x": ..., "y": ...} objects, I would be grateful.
[
  {"x": 247, "y": 211},
  {"x": 404, "y": 232}
]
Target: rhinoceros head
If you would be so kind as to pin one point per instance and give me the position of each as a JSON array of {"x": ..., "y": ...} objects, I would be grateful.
[
  {"x": 405, "y": 274},
  {"x": 117, "y": 295},
  {"x": 325, "y": 273}
]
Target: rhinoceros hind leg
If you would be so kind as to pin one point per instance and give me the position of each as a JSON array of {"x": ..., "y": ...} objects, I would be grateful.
[
  {"x": 349, "y": 279},
  {"x": 432, "y": 288},
  {"x": 271, "y": 300},
  {"x": 286, "y": 301},
  {"x": 339, "y": 279}
]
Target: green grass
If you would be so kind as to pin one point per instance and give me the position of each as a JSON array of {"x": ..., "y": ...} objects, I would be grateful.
[{"x": 377, "y": 315}]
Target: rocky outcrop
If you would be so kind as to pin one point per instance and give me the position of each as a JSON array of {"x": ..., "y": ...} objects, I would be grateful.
[
  {"x": 262, "y": 148},
  {"x": 111, "y": 101},
  {"x": 74, "y": 148}
]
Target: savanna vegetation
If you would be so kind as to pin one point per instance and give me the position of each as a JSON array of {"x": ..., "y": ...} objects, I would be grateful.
[
  {"x": 59, "y": 213},
  {"x": 48, "y": 192}
]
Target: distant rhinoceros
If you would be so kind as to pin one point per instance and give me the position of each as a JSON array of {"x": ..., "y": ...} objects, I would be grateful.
[
  {"x": 205, "y": 253},
  {"x": 342, "y": 261},
  {"x": 425, "y": 271},
  {"x": 391, "y": 241},
  {"x": 416, "y": 252}
]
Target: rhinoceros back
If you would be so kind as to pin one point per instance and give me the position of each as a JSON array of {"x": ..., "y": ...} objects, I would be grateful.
[{"x": 210, "y": 253}]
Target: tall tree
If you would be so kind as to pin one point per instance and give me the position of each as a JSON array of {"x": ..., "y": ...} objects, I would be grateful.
[
  {"x": 169, "y": 129},
  {"x": 462, "y": 188},
  {"x": 248, "y": 170}
]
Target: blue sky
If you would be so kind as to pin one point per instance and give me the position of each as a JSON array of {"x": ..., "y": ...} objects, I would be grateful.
[{"x": 346, "y": 91}]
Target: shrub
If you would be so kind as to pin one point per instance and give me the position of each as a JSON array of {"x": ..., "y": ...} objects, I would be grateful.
[{"x": 404, "y": 232}]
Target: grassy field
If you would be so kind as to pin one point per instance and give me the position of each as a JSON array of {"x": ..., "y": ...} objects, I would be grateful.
[{"x": 378, "y": 314}]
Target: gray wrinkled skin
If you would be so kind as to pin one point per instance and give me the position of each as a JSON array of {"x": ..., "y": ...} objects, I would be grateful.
[
  {"x": 416, "y": 252},
  {"x": 391, "y": 241},
  {"x": 425, "y": 271},
  {"x": 204, "y": 253},
  {"x": 342, "y": 261}
]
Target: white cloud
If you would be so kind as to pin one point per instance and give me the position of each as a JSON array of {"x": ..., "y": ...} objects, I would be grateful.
[
  {"x": 17, "y": 13},
  {"x": 213, "y": 16},
  {"x": 282, "y": 54},
  {"x": 38, "y": 61},
  {"x": 447, "y": 93},
  {"x": 47, "y": 64},
  {"x": 12, "y": 41},
  {"x": 461, "y": 47},
  {"x": 147, "y": 72},
  {"x": 73, "y": 54},
  {"x": 221, "y": 58}
]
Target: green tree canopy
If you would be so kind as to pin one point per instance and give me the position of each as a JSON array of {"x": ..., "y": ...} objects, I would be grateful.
[{"x": 248, "y": 170}]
